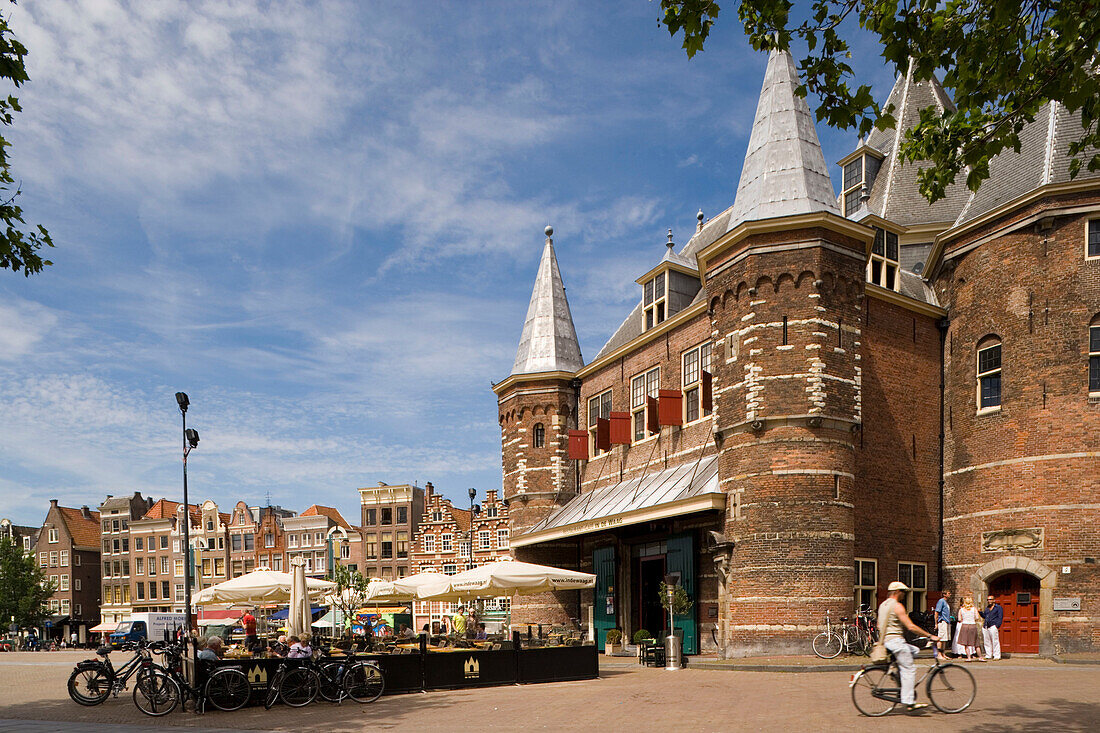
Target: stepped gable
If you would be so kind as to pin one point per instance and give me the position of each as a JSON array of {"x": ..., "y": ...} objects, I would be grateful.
[
  {"x": 1043, "y": 159},
  {"x": 549, "y": 340},
  {"x": 894, "y": 194},
  {"x": 784, "y": 173}
]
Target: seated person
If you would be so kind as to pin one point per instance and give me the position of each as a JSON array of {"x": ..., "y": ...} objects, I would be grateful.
[
  {"x": 299, "y": 648},
  {"x": 405, "y": 633},
  {"x": 212, "y": 650},
  {"x": 278, "y": 647},
  {"x": 481, "y": 634}
]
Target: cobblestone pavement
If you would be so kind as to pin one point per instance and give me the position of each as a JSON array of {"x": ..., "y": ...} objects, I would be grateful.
[{"x": 1013, "y": 696}]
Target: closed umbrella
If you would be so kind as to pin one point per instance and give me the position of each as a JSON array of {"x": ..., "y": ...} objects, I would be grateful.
[{"x": 300, "y": 612}]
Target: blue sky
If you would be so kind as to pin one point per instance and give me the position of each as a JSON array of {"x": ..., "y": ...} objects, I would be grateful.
[{"x": 323, "y": 221}]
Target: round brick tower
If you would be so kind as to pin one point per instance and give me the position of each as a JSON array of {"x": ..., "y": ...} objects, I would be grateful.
[
  {"x": 537, "y": 408},
  {"x": 785, "y": 287}
]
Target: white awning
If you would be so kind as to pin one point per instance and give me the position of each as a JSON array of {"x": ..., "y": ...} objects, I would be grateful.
[{"x": 684, "y": 489}]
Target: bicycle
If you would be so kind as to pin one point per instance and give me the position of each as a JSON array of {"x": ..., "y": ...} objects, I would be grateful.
[
  {"x": 226, "y": 689},
  {"x": 876, "y": 688},
  {"x": 853, "y": 638},
  {"x": 93, "y": 680},
  {"x": 362, "y": 681},
  {"x": 295, "y": 686}
]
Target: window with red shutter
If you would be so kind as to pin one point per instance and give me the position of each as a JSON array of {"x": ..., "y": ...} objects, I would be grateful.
[
  {"x": 578, "y": 444},
  {"x": 620, "y": 428},
  {"x": 670, "y": 407}
]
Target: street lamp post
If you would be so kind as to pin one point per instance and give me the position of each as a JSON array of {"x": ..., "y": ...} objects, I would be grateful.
[{"x": 190, "y": 441}]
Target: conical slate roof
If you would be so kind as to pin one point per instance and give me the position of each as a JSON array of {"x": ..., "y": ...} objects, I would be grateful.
[
  {"x": 894, "y": 194},
  {"x": 549, "y": 341},
  {"x": 784, "y": 172}
]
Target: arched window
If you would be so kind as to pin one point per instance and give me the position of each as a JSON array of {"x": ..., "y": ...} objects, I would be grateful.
[
  {"x": 1094, "y": 354},
  {"x": 540, "y": 435},
  {"x": 989, "y": 373}
]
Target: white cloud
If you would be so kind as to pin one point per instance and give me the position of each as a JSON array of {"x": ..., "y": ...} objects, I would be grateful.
[{"x": 23, "y": 325}]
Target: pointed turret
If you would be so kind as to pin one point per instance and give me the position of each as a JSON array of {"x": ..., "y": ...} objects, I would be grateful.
[
  {"x": 784, "y": 172},
  {"x": 549, "y": 341}
]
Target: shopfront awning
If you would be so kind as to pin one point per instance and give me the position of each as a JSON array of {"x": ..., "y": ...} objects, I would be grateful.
[{"x": 684, "y": 489}]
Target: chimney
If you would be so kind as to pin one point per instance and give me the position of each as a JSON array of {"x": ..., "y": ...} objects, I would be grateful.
[
  {"x": 84, "y": 510},
  {"x": 53, "y": 502}
]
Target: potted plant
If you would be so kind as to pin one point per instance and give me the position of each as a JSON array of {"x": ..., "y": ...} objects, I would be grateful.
[
  {"x": 613, "y": 642},
  {"x": 641, "y": 636}
]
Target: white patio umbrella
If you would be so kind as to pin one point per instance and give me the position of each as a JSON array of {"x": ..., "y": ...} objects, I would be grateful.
[
  {"x": 259, "y": 586},
  {"x": 504, "y": 578},
  {"x": 301, "y": 614},
  {"x": 408, "y": 589}
]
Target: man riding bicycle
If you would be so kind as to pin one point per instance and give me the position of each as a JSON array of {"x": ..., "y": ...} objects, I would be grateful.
[{"x": 892, "y": 623}]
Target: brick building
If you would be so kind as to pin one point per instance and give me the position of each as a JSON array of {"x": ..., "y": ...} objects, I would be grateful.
[
  {"x": 270, "y": 544},
  {"x": 766, "y": 424},
  {"x": 115, "y": 515},
  {"x": 320, "y": 536},
  {"x": 23, "y": 536},
  {"x": 67, "y": 546},
  {"x": 451, "y": 540},
  {"x": 390, "y": 517}
]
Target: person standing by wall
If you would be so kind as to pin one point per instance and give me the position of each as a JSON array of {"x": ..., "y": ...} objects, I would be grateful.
[
  {"x": 969, "y": 637},
  {"x": 993, "y": 616},
  {"x": 943, "y": 619}
]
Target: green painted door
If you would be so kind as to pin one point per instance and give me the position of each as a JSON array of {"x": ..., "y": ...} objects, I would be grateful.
[
  {"x": 680, "y": 558},
  {"x": 603, "y": 560}
]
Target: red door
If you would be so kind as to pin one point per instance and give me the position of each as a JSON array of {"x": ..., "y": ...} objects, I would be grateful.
[{"x": 1018, "y": 594}]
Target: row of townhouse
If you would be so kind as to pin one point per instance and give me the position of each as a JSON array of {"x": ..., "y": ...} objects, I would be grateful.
[{"x": 128, "y": 555}]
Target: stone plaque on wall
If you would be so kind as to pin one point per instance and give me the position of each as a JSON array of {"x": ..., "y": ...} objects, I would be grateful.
[
  {"x": 1067, "y": 604},
  {"x": 1009, "y": 540}
]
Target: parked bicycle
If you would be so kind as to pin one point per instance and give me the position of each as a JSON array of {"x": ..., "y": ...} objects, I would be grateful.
[
  {"x": 296, "y": 686},
  {"x": 165, "y": 685},
  {"x": 347, "y": 676},
  {"x": 94, "y": 680},
  {"x": 876, "y": 688},
  {"x": 855, "y": 638}
]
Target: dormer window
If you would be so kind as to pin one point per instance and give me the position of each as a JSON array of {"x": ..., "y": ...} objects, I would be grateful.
[
  {"x": 882, "y": 268},
  {"x": 860, "y": 169},
  {"x": 654, "y": 300}
]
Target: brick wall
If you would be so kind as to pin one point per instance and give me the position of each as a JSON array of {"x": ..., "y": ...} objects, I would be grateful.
[{"x": 1035, "y": 462}]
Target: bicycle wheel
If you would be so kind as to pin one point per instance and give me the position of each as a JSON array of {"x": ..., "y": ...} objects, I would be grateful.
[
  {"x": 868, "y": 690},
  {"x": 155, "y": 693},
  {"x": 863, "y": 641},
  {"x": 328, "y": 678},
  {"x": 89, "y": 687},
  {"x": 228, "y": 689},
  {"x": 364, "y": 682},
  {"x": 299, "y": 687},
  {"x": 273, "y": 688},
  {"x": 951, "y": 688},
  {"x": 828, "y": 644}
]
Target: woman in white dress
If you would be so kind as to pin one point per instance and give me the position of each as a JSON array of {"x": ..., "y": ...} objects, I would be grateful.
[{"x": 969, "y": 636}]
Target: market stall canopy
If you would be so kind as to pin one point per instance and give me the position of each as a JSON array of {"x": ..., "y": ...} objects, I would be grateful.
[
  {"x": 104, "y": 627},
  {"x": 504, "y": 578},
  {"x": 259, "y": 586},
  {"x": 284, "y": 614}
]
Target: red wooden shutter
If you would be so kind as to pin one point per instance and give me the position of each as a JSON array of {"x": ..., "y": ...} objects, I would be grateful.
[
  {"x": 578, "y": 444},
  {"x": 603, "y": 433},
  {"x": 707, "y": 387},
  {"x": 670, "y": 407},
  {"x": 652, "y": 424},
  {"x": 620, "y": 428}
]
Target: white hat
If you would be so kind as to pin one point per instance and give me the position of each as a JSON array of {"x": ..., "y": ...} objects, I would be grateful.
[{"x": 897, "y": 585}]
